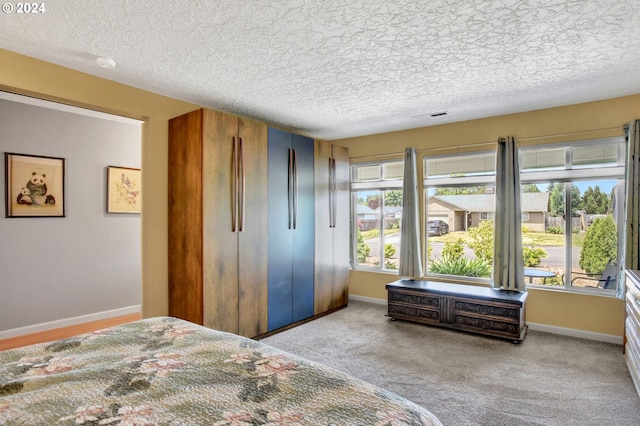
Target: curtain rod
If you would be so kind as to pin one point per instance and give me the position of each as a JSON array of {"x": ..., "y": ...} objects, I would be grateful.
[{"x": 527, "y": 138}]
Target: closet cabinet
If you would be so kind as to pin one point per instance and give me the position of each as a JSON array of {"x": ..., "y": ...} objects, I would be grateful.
[
  {"x": 332, "y": 226},
  {"x": 218, "y": 226},
  {"x": 291, "y": 212}
]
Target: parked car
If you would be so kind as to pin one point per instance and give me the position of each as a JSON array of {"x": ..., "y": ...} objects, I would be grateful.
[{"x": 438, "y": 227}]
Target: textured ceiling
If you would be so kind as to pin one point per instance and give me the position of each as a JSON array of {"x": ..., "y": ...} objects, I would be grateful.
[{"x": 339, "y": 68}]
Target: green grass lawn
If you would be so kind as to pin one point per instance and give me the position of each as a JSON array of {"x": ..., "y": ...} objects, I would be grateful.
[
  {"x": 374, "y": 233},
  {"x": 533, "y": 239}
]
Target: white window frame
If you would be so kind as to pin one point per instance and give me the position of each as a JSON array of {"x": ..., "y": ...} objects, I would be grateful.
[
  {"x": 485, "y": 178},
  {"x": 569, "y": 175},
  {"x": 382, "y": 185}
]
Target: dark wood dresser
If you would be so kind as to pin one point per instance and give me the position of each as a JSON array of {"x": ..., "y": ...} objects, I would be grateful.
[
  {"x": 469, "y": 308},
  {"x": 632, "y": 326}
]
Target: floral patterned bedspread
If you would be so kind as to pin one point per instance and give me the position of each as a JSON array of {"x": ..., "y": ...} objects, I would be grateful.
[{"x": 171, "y": 372}]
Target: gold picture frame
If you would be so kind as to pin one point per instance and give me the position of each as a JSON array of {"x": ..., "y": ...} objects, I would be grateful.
[
  {"x": 34, "y": 186},
  {"x": 124, "y": 190}
]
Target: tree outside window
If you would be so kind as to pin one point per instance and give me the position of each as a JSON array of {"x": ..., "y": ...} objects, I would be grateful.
[{"x": 581, "y": 178}]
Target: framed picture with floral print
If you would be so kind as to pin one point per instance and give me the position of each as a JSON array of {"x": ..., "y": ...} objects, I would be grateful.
[
  {"x": 123, "y": 190},
  {"x": 34, "y": 186}
]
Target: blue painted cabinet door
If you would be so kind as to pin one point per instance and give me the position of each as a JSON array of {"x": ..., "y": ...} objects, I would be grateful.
[
  {"x": 291, "y": 228},
  {"x": 304, "y": 234},
  {"x": 280, "y": 269}
]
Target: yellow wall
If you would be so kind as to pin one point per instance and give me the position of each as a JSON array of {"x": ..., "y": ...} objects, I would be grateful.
[
  {"x": 27, "y": 76},
  {"x": 555, "y": 308},
  {"x": 584, "y": 121}
]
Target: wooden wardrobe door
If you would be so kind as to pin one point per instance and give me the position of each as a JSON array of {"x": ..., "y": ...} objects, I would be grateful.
[
  {"x": 332, "y": 227},
  {"x": 341, "y": 230},
  {"x": 220, "y": 241},
  {"x": 324, "y": 230},
  {"x": 218, "y": 231},
  {"x": 185, "y": 217},
  {"x": 253, "y": 237}
]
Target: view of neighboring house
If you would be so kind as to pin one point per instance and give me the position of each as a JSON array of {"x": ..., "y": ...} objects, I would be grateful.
[
  {"x": 368, "y": 217},
  {"x": 465, "y": 211},
  {"x": 392, "y": 216}
]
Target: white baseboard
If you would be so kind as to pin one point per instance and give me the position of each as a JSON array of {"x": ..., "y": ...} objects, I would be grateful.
[
  {"x": 36, "y": 328},
  {"x": 368, "y": 299},
  {"x": 582, "y": 334},
  {"x": 572, "y": 332}
]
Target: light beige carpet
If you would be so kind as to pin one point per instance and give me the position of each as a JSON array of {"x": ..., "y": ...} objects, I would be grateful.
[{"x": 466, "y": 379}]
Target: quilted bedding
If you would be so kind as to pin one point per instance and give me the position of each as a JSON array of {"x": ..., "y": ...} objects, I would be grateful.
[{"x": 167, "y": 371}]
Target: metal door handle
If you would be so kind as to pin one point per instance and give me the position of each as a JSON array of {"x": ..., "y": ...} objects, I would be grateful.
[
  {"x": 234, "y": 207},
  {"x": 290, "y": 188},
  {"x": 242, "y": 186},
  {"x": 295, "y": 190},
  {"x": 330, "y": 193},
  {"x": 334, "y": 191}
]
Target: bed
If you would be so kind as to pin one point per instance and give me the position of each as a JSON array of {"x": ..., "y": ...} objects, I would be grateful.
[{"x": 172, "y": 372}]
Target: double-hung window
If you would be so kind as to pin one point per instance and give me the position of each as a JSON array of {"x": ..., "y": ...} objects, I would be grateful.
[
  {"x": 376, "y": 191},
  {"x": 573, "y": 194},
  {"x": 460, "y": 193}
]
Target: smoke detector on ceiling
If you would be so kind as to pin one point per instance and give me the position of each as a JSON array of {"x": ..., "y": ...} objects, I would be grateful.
[{"x": 104, "y": 62}]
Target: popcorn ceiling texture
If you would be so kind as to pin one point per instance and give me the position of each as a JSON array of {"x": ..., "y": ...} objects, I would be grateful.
[{"x": 339, "y": 68}]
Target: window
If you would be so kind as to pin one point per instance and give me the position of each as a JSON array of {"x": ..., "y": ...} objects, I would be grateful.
[
  {"x": 571, "y": 193},
  {"x": 571, "y": 197},
  {"x": 460, "y": 191},
  {"x": 376, "y": 190}
]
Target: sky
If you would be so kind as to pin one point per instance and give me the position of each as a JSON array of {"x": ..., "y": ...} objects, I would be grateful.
[{"x": 605, "y": 185}]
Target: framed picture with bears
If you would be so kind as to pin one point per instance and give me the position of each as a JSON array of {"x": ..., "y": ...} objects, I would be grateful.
[{"x": 34, "y": 185}]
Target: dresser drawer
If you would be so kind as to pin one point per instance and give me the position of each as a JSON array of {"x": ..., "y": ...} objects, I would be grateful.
[
  {"x": 632, "y": 352},
  {"x": 411, "y": 298},
  {"x": 414, "y": 313},
  {"x": 633, "y": 291},
  {"x": 633, "y": 308},
  {"x": 632, "y": 326},
  {"x": 485, "y": 326},
  {"x": 486, "y": 309}
]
